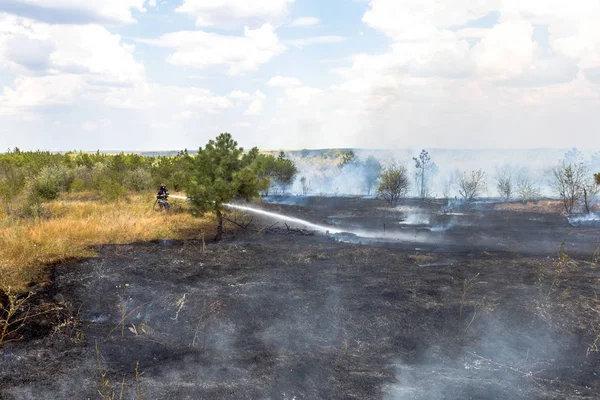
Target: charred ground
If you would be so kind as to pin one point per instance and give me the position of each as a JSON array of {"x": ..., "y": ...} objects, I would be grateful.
[{"x": 271, "y": 315}]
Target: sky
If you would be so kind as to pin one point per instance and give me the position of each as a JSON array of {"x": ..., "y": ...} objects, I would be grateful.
[{"x": 292, "y": 74}]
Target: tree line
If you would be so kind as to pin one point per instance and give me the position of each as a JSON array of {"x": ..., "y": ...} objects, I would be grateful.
[
  {"x": 29, "y": 178},
  {"x": 222, "y": 171}
]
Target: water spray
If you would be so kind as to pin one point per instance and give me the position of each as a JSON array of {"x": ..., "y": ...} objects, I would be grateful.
[
  {"x": 285, "y": 218},
  {"x": 322, "y": 228}
]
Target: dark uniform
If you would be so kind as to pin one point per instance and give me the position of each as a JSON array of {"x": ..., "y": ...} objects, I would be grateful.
[{"x": 163, "y": 193}]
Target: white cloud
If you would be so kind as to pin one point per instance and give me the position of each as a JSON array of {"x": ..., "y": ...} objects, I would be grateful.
[
  {"x": 507, "y": 51},
  {"x": 31, "y": 93},
  {"x": 185, "y": 115},
  {"x": 255, "y": 101},
  {"x": 242, "y": 124},
  {"x": 441, "y": 79},
  {"x": 91, "y": 50},
  {"x": 256, "y": 104},
  {"x": 423, "y": 19},
  {"x": 472, "y": 33},
  {"x": 592, "y": 74},
  {"x": 235, "y": 12},
  {"x": 316, "y": 40},
  {"x": 89, "y": 126},
  {"x": 62, "y": 64},
  {"x": 204, "y": 100},
  {"x": 284, "y": 82},
  {"x": 74, "y": 11},
  {"x": 199, "y": 49},
  {"x": 304, "y": 21}
]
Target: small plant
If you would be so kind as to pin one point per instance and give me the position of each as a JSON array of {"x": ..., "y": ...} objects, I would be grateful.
[
  {"x": 180, "y": 305},
  {"x": 138, "y": 376},
  {"x": 106, "y": 391},
  {"x": 14, "y": 314},
  {"x": 559, "y": 266},
  {"x": 124, "y": 311},
  {"x": 70, "y": 324},
  {"x": 468, "y": 284},
  {"x": 209, "y": 311}
]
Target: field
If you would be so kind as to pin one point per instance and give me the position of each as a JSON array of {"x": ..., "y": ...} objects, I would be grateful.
[
  {"x": 69, "y": 229},
  {"x": 421, "y": 301}
]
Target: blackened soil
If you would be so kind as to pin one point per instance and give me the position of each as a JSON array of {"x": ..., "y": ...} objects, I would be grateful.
[{"x": 283, "y": 316}]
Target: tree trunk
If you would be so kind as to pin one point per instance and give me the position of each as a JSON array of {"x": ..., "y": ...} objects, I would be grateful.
[
  {"x": 219, "y": 235},
  {"x": 585, "y": 200}
]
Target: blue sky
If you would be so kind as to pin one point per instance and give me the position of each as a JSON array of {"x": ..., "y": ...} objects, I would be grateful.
[{"x": 283, "y": 74}]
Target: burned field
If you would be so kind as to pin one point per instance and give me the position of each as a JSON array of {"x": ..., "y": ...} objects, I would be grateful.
[{"x": 424, "y": 301}]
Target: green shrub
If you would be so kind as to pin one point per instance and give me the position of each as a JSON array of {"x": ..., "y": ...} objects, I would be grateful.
[
  {"x": 83, "y": 179},
  {"x": 78, "y": 185},
  {"x": 51, "y": 181},
  {"x": 112, "y": 191},
  {"x": 139, "y": 179},
  {"x": 99, "y": 175}
]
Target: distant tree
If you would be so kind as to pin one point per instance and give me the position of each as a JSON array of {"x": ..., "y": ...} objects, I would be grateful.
[
  {"x": 590, "y": 191},
  {"x": 425, "y": 168},
  {"x": 573, "y": 156},
  {"x": 597, "y": 178},
  {"x": 393, "y": 184},
  {"x": 305, "y": 186},
  {"x": 568, "y": 180},
  {"x": 504, "y": 182},
  {"x": 471, "y": 185},
  {"x": 279, "y": 170},
  {"x": 372, "y": 170},
  {"x": 221, "y": 172},
  {"x": 527, "y": 190},
  {"x": 449, "y": 184},
  {"x": 348, "y": 157}
]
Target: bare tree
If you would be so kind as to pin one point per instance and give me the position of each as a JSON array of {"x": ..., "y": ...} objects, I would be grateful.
[
  {"x": 394, "y": 184},
  {"x": 527, "y": 190},
  {"x": 590, "y": 191},
  {"x": 504, "y": 182},
  {"x": 471, "y": 185},
  {"x": 305, "y": 186},
  {"x": 568, "y": 181},
  {"x": 425, "y": 168},
  {"x": 372, "y": 169},
  {"x": 449, "y": 184}
]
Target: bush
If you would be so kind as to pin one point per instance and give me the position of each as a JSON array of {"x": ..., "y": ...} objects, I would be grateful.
[
  {"x": 51, "y": 181},
  {"x": 393, "y": 184},
  {"x": 78, "y": 185},
  {"x": 99, "y": 175},
  {"x": 112, "y": 191},
  {"x": 139, "y": 179},
  {"x": 27, "y": 204},
  {"x": 83, "y": 179}
]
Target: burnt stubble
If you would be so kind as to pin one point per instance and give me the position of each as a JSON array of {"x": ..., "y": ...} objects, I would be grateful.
[{"x": 269, "y": 314}]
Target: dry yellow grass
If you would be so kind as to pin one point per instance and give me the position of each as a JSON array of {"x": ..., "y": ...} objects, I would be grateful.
[
  {"x": 422, "y": 258},
  {"x": 542, "y": 206},
  {"x": 75, "y": 226}
]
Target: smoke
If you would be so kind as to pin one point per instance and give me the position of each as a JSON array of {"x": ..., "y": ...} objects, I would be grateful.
[
  {"x": 416, "y": 219},
  {"x": 500, "y": 358},
  {"x": 585, "y": 220},
  {"x": 323, "y": 177}
]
